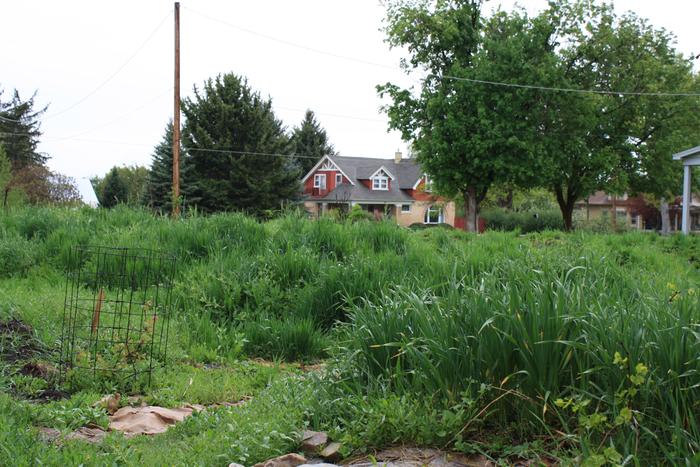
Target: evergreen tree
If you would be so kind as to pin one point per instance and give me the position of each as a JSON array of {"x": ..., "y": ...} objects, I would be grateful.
[
  {"x": 5, "y": 175},
  {"x": 160, "y": 176},
  {"x": 115, "y": 190},
  {"x": 234, "y": 140},
  {"x": 310, "y": 139},
  {"x": 19, "y": 131}
]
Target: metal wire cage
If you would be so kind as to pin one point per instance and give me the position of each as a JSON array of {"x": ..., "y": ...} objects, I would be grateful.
[{"x": 115, "y": 314}]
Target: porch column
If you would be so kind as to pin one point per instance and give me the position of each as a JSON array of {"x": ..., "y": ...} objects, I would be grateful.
[
  {"x": 324, "y": 208},
  {"x": 687, "y": 199}
]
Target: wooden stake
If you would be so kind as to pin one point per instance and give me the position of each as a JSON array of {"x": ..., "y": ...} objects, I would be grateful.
[
  {"x": 98, "y": 309},
  {"x": 176, "y": 118}
]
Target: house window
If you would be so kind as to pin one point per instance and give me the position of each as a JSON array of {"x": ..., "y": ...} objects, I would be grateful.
[
  {"x": 428, "y": 183},
  {"x": 320, "y": 181},
  {"x": 380, "y": 182},
  {"x": 338, "y": 179},
  {"x": 434, "y": 215},
  {"x": 405, "y": 208}
]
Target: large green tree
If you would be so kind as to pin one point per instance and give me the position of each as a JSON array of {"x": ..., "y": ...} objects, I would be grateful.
[
  {"x": 310, "y": 142},
  {"x": 237, "y": 148},
  {"x": 467, "y": 135},
  {"x": 595, "y": 140},
  {"x": 159, "y": 192}
]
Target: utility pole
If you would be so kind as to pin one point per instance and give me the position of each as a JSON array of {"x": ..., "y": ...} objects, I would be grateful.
[{"x": 176, "y": 118}]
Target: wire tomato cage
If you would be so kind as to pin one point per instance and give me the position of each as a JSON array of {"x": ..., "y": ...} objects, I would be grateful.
[{"x": 116, "y": 312}]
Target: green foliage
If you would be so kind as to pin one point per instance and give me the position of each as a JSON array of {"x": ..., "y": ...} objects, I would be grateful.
[
  {"x": 523, "y": 221},
  {"x": 17, "y": 255},
  {"x": 114, "y": 189},
  {"x": 20, "y": 132},
  {"x": 159, "y": 189},
  {"x": 310, "y": 142},
  {"x": 228, "y": 115},
  {"x": 132, "y": 181}
]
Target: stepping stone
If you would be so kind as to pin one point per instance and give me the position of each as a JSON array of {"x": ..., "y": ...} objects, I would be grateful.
[
  {"x": 288, "y": 460},
  {"x": 313, "y": 441},
  {"x": 332, "y": 451}
]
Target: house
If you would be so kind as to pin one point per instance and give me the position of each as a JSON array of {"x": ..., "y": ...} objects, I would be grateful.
[
  {"x": 601, "y": 204},
  {"x": 388, "y": 188},
  {"x": 636, "y": 212}
]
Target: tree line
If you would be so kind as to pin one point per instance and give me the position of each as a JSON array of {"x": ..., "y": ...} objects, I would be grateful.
[
  {"x": 235, "y": 155},
  {"x": 473, "y": 135}
]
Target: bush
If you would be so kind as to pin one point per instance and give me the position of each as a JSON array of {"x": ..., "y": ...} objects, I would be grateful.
[
  {"x": 524, "y": 221},
  {"x": 17, "y": 255}
]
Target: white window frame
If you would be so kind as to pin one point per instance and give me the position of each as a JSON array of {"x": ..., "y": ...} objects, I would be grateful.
[
  {"x": 317, "y": 181},
  {"x": 338, "y": 179},
  {"x": 441, "y": 215},
  {"x": 428, "y": 186},
  {"x": 380, "y": 183},
  {"x": 404, "y": 208}
]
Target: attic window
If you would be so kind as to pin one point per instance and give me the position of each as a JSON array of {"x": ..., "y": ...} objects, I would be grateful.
[
  {"x": 338, "y": 179},
  {"x": 380, "y": 181},
  {"x": 320, "y": 181}
]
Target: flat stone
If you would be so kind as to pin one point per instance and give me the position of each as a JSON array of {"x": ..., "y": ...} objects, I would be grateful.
[
  {"x": 233, "y": 464},
  {"x": 48, "y": 435},
  {"x": 332, "y": 451},
  {"x": 313, "y": 441},
  {"x": 320, "y": 464},
  {"x": 91, "y": 435},
  {"x": 287, "y": 460}
]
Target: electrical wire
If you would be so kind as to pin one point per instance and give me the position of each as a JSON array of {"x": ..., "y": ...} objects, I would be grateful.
[
  {"x": 114, "y": 74},
  {"x": 290, "y": 43},
  {"x": 450, "y": 77},
  {"x": 349, "y": 117}
]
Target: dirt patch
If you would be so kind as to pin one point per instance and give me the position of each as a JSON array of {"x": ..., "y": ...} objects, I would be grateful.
[{"x": 17, "y": 341}]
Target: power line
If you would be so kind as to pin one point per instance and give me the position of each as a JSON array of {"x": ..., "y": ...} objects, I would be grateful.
[
  {"x": 584, "y": 91},
  {"x": 121, "y": 117},
  {"x": 248, "y": 153},
  {"x": 115, "y": 73},
  {"x": 456, "y": 78},
  {"x": 290, "y": 43},
  {"x": 350, "y": 117}
]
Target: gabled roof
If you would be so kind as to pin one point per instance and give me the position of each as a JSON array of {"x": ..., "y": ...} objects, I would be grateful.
[
  {"x": 320, "y": 162},
  {"x": 404, "y": 175}
]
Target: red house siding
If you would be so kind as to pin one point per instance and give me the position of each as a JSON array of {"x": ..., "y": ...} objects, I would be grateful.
[{"x": 330, "y": 183}]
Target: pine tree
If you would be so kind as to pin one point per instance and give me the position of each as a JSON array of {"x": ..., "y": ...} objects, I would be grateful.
[
  {"x": 19, "y": 131},
  {"x": 115, "y": 190},
  {"x": 160, "y": 176},
  {"x": 310, "y": 139},
  {"x": 227, "y": 115}
]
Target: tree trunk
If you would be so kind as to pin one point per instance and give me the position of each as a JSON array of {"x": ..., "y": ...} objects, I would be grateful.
[
  {"x": 665, "y": 218},
  {"x": 471, "y": 209},
  {"x": 566, "y": 206}
]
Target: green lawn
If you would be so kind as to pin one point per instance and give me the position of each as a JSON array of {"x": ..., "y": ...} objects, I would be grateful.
[{"x": 580, "y": 347}]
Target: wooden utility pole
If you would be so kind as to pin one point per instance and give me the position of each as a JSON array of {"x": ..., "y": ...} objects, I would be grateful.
[{"x": 176, "y": 118}]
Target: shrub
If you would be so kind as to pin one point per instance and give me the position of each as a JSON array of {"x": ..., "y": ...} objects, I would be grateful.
[
  {"x": 17, "y": 255},
  {"x": 524, "y": 221}
]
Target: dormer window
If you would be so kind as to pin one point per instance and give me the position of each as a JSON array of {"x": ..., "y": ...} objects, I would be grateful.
[
  {"x": 338, "y": 179},
  {"x": 320, "y": 181},
  {"x": 380, "y": 181},
  {"x": 428, "y": 187}
]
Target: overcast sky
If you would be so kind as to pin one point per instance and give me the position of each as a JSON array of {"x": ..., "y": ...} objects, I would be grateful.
[{"x": 105, "y": 68}]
